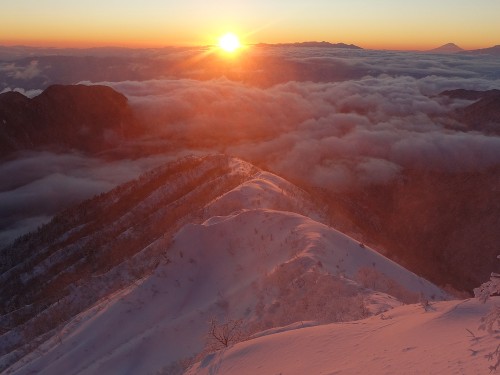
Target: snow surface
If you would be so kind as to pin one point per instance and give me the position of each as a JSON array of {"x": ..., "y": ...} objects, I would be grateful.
[
  {"x": 235, "y": 265},
  {"x": 405, "y": 340},
  {"x": 267, "y": 191}
]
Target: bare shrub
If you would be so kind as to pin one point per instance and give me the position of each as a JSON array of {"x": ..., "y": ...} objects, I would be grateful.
[
  {"x": 223, "y": 334},
  {"x": 371, "y": 278},
  {"x": 491, "y": 321},
  {"x": 494, "y": 356},
  {"x": 292, "y": 293}
]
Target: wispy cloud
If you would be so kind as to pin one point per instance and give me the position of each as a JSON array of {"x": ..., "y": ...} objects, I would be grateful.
[{"x": 21, "y": 72}]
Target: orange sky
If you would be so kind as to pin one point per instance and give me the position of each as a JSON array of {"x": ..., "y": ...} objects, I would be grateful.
[{"x": 386, "y": 24}]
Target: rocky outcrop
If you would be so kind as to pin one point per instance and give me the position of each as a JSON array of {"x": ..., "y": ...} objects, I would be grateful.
[
  {"x": 482, "y": 115},
  {"x": 87, "y": 118}
]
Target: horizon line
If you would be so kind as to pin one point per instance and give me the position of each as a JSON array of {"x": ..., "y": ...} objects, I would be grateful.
[{"x": 85, "y": 46}]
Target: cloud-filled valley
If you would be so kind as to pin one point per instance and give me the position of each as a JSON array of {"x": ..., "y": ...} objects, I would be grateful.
[
  {"x": 333, "y": 134},
  {"x": 335, "y": 119},
  {"x": 40, "y": 184}
]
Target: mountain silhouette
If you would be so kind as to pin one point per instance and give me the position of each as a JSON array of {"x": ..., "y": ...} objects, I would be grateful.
[
  {"x": 483, "y": 115},
  {"x": 447, "y": 48},
  {"x": 322, "y": 44},
  {"x": 495, "y": 51},
  {"x": 88, "y": 118}
]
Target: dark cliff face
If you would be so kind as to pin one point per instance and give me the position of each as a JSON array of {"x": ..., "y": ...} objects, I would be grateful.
[
  {"x": 470, "y": 94},
  {"x": 443, "y": 226},
  {"x": 87, "y": 118},
  {"x": 482, "y": 115},
  {"x": 15, "y": 130}
]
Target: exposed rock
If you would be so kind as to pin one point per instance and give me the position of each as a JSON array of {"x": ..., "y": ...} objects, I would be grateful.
[{"x": 88, "y": 118}]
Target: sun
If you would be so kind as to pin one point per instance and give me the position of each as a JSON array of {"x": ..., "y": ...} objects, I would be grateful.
[{"x": 229, "y": 42}]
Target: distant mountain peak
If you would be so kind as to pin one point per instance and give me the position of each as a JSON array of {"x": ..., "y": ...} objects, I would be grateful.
[
  {"x": 450, "y": 45},
  {"x": 493, "y": 51},
  {"x": 312, "y": 44},
  {"x": 447, "y": 48}
]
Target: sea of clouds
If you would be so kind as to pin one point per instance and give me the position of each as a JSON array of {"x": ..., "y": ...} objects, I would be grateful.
[
  {"x": 328, "y": 117},
  {"x": 331, "y": 133}
]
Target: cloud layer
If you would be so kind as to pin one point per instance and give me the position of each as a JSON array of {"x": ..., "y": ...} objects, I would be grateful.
[
  {"x": 332, "y": 134},
  {"x": 333, "y": 118}
]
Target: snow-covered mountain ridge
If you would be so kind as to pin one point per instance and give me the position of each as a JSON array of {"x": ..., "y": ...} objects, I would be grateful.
[
  {"x": 406, "y": 340},
  {"x": 127, "y": 282}
]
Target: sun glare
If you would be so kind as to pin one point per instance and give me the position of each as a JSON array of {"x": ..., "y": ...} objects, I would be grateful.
[{"x": 229, "y": 42}]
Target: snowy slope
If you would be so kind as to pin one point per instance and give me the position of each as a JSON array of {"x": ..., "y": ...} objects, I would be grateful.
[
  {"x": 406, "y": 340},
  {"x": 256, "y": 258}
]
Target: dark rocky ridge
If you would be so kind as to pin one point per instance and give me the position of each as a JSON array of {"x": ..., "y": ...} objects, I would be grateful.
[
  {"x": 312, "y": 44},
  {"x": 87, "y": 118},
  {"x": 470, "y": 94},
  {"x": 442, "y": 226},
  {"x": 492, "y": 51},
  {"x": 482, "y": 115}
]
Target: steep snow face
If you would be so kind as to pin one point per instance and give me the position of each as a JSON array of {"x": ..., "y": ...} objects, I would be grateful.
[
  {"x": 103, "y": 245},
  {"x": 238, "y": 266},
  {"x": 406, "y": 340},
  {"x": 251, "y": 252}
]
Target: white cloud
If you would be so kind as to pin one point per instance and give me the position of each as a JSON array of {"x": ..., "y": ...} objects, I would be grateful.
[
  {"x": 333, "y": 134},
  {"x": 21, "y": 72},
  {"x": 27, "y": 93}
]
